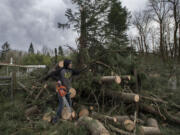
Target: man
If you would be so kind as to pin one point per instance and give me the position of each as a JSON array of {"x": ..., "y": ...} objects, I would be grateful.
[{"x": 64, "y": 76}]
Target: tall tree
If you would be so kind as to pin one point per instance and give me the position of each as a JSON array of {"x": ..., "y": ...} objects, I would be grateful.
[
  {"x": 117, "y": 23},
  {"x": 175, "y": 5},
  {"x": 31, "y": 49},
  {"x": 5, "y": 48},
  {"x": 60, "y": 51},
  {"x": 87, "y": 20},
  {"x": 55, "y": 52},
  {"x": 159, "y": 10},
  {"x": 141, "y": 21}
]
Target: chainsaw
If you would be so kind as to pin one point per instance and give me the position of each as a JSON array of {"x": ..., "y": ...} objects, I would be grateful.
[{"x": 62, "y": 92}]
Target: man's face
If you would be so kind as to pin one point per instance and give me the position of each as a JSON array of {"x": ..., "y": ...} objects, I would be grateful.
[{"x": 70, "y": 65}]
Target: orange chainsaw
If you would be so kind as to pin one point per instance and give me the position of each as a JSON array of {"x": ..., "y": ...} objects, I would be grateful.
[{"x": 62, "y": 92}]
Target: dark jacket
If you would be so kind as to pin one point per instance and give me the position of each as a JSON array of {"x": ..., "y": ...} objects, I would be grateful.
[{"x": 64, "y": 74}]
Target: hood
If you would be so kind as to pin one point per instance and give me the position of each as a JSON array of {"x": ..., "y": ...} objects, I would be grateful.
[{"x": 66, "y": 63}]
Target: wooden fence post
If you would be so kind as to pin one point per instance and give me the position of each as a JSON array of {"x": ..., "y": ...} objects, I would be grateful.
[{"x": 13, "y": 84}]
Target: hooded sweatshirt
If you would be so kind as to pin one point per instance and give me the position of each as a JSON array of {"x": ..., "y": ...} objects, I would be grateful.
[{"x": 64, "y": 74}]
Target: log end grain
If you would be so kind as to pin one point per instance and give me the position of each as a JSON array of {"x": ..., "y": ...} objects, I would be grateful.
[
  {"x": 117, "y": 79},
  {"x": 136, "y": 98},
  {"x": 149, "y": 130},
  {"x": 83, "y": 112},
  {"x": 66, "y": 115},
  {"x": 73, "y": 92},
  {"x": 129, "y": 125}
]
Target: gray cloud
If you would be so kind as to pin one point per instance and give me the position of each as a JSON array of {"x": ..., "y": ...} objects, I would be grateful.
[{"x": 26, "y": 21}]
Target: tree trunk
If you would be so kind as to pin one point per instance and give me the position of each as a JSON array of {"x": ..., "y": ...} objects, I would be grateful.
[
  {"x": 94, "y": 126},
  {"x": 125, "y": 122},
  {"x": 120, "y": 131},
  {"x": 161, "y": 39},
  {"x": 83, "y": 112},
  {"x": 179, "y": 41},
  {"x": 31, "y": 110},
  {"x": 66, "y": 115},
  {"x": 152, "y": 122},
  {"x": 109, "y": 79},
  {"x": 149, "y": 131},
  {"x": 126, "y": 97},
  {"x": 103, "y": 117}
]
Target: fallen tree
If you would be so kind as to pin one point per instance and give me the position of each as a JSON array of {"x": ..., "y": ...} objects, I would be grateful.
[
  {"x": 152, "y": 128},
  {"x": 126, "y": 97},
  {"x": 94, "y": 126},
  {"x": 109, "y": 79}
]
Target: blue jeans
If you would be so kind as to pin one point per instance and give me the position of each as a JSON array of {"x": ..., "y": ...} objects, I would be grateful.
[{"x": 61, "y": 105}]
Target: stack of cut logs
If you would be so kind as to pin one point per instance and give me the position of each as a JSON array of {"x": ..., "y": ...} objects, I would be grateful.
[{"x": 100, "y": 124}]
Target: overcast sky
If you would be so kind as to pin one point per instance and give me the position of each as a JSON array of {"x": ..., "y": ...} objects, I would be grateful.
[{"x": 26, "y": 21}]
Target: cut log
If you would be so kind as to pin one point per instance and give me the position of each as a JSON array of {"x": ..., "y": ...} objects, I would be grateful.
[
  {"x": 172, "y": 118},
  {"x": 125, "y": 122},
  {"x": 139, "y": 121},
  {"x": 83, "y": 112},
  {"x": 94, "y": 126},
  {"x": 48, "y": 116},
  {"x": 31, "y": 110},
  {"x": 125, "y": 77},
  {"x": 152, "y": 123},
  {"x": 126, "y": 97},
  {"x": 73, "y": 92},
  {"x": 115, "y": 79},
  {"x": 103, "y": 117},
  {"x": 149, "y": 130},
  {"x": 129, "y": 125},
  {"x": 120, "y": 131},
  {"x": 66, "y": 115}
]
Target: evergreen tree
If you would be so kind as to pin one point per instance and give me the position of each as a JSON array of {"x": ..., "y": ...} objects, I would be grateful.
[
  {"x": 55, "y": 51},
  {"x": 5, "y": 49},
  {"x": 31, "y": 49},
  {"x": 60, "y": 51},
  {"x": 88, "y": 22},
  {"x": 117, "y": 24}
]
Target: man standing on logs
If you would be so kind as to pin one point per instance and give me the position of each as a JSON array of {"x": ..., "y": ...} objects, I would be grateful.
[{"x": 64, "y": 75}]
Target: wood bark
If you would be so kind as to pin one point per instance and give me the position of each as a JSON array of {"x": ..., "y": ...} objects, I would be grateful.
[
  {"x": 152, "y": 122},
  {"x": 126, "y": 97},
  {"x": 31, "y": 110},
  {"x": 109, "y": 79},
  {"x": 149, "y": 131},
  {"x": 125, "y": 77},
  {"x": 120, "y": 131},
  {"x": 103, "y": 117},
  {"x": 83, "y": 111},
  {"x": 139, "y": 121},
  {"x": 125, "y": 122},
  {"x": 94, "y": 126}
]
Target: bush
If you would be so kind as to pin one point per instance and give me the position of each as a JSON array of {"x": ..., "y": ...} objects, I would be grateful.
[{"x": 36, "y": 59}]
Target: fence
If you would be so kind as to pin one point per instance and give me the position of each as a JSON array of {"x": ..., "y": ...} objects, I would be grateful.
[{"x": 11, "y": 82}]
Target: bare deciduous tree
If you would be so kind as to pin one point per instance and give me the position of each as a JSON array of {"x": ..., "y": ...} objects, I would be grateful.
[
  {"x": 141, "y": 21},
  {"x": 159, "y": 10}
]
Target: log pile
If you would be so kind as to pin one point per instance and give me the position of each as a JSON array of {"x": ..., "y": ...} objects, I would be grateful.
[{"x": 102, "y": 123}]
